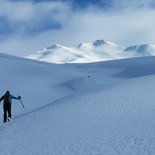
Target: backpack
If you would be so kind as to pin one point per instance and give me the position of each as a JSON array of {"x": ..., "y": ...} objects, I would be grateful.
[{"x": 7, "y": 98}]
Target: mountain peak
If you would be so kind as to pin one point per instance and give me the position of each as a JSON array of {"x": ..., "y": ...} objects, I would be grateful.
[
  {"x": 141, "y": 48},
  {"x": 99, "y": 42},
  {"x": 91, "y": 44},
  {"x": 55, "y": 46}
]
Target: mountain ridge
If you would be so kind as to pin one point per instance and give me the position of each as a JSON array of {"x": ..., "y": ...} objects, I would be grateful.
[{"x": 99, "y": 50}]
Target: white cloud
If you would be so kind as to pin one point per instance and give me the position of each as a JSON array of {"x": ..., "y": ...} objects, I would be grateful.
[
  {"x": 27, "y": 11},
  {"x": 25, "y": 16},
  {"x": 132, "y": 4},
  {"x": 130, "y": 25}
]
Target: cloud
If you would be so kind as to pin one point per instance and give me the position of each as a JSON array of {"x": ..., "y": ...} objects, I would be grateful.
[
  {"x": 28, "y": 26},
  {"x": 28, "y": 18},
  {"x": 123, "y": 4},
  {"x": 122, "y": 27}
]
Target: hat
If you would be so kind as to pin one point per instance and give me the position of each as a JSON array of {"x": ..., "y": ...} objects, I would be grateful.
[{"x": 7, "y": 92}]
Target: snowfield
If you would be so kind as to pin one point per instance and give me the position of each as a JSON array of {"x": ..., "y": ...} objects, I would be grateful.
[{"x": 104, "y": 108}]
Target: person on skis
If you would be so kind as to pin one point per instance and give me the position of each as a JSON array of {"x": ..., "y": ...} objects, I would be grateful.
[{"x": 7, "y": 97}]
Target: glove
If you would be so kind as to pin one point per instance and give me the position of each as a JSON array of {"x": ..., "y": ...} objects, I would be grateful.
[{"x": 19, "y": 97}]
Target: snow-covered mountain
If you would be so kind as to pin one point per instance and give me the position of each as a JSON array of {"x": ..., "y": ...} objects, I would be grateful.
[
  {"x": 97, "y": 108},
  {"x": 99, "y": 50},
  {"x": 142, "y": 50}
]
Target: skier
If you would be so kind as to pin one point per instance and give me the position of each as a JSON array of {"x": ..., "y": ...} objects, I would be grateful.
[{"x": 7, "y": 97}]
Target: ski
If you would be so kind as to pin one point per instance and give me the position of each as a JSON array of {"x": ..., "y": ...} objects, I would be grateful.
[{"x": 9, "y": 119}]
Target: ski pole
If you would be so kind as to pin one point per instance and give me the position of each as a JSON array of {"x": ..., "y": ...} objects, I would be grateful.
[{"x": 22, "y": 103}]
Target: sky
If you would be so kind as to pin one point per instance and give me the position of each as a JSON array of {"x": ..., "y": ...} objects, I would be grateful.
[{"x": 27, "y": 26}]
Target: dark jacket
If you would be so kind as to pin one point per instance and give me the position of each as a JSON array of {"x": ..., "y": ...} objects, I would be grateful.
[{"x": 10, "y": 99}]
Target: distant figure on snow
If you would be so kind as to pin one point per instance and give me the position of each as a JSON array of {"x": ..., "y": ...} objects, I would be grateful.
[{"x": 7, "y": 97}]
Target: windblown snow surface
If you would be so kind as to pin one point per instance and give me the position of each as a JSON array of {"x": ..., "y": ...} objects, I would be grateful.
[{"x": 105, "y": 108}]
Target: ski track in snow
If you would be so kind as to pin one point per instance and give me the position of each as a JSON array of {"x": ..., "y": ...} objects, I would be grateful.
[{"x": 108, "y": 113}]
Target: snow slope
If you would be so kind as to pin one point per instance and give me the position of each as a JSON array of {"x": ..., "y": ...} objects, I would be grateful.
[
  {"x": 100, "y": 108},
  {"x": 30, "y": 79},
  {"x": 99, "y": 50}
]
